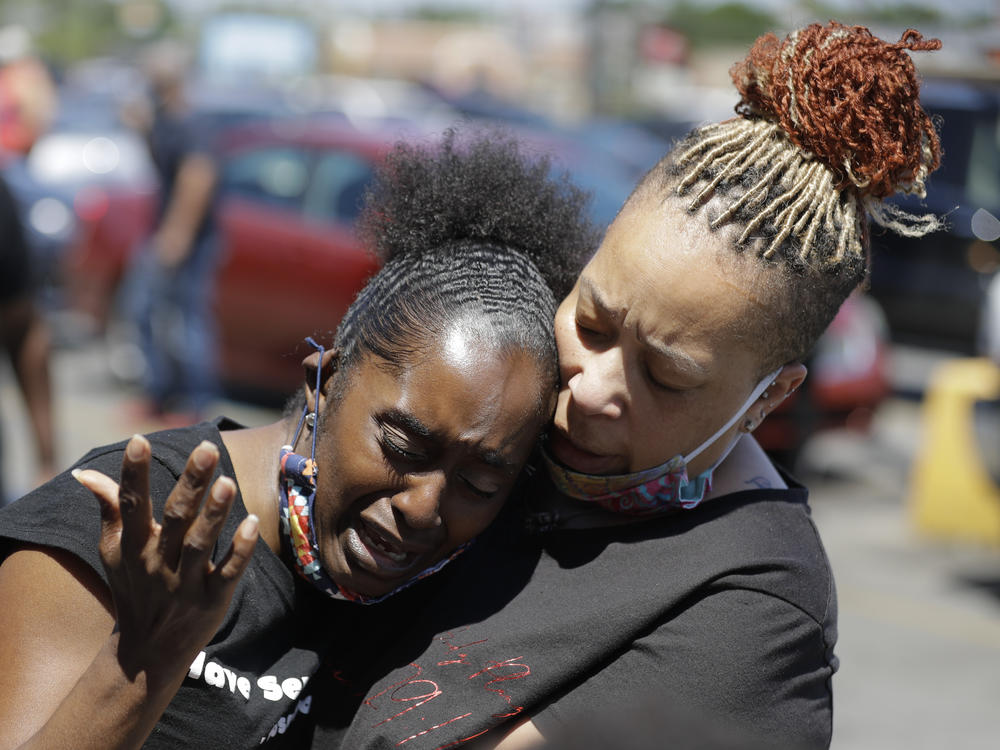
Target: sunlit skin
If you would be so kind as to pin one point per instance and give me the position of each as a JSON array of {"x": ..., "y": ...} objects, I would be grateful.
[
  {"x": 412, "y": 465},
  {"x": 655, "y": 351}
]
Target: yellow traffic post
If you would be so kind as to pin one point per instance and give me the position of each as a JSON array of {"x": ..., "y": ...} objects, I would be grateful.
[{"x": 952, "y": 495}]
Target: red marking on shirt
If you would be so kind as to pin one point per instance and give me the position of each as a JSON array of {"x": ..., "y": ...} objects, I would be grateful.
[
  {"x": 431, "y": 729},
  {"x": 461, "y": 741},
  {"x": 416, "y": 690},
  {"x": 463, "y": 658},
  {"x": 370, "y": 702},
  {"x": 420, "y": 699},
  {"x": 525, "y": 670}
]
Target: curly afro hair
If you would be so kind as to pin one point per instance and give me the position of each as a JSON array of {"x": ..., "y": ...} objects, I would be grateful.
[
  {"x": 479, "y": 186},
  {"x": 472, "y": 231}
]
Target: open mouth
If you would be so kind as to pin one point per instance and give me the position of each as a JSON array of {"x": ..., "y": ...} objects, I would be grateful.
[
  {"x": 373, "y": 540},
  {"x": 379, "y": 554},
  {"x": 569, "y": 454}
]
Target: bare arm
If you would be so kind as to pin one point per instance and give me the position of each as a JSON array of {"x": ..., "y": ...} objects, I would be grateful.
[
  {"x": 524, "y": 736},
  {"x": 187, "y": 206},
  {"x": 74, "y": 682},
  {"x": 26, "y": 339}
]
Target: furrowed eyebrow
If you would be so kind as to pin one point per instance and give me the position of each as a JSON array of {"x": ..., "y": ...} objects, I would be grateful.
[
  {"x": 497, "y": 460},
  {"x": 408, "y": 422},
  {"x": 411, "y": 424},
  {"x": 680, "y": 359},
  {"x": 597, "y": 298}
]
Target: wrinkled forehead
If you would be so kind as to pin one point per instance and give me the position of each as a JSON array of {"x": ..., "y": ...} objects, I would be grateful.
[
  {"x": 666, "y": 271},
  {"x": 656, "y": 239}
]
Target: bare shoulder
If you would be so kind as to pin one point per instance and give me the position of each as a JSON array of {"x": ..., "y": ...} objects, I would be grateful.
[{"x": 56, "y": 616}]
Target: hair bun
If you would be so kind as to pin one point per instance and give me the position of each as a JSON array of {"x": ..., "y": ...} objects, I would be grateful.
[
  {"x": 478, "y": 186},
  {"x": 850, "y": 99}
]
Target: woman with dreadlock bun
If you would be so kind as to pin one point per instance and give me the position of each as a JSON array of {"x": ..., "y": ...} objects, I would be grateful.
[
  {"x": 672, "y": 562},
  {"x": 168, "y": 622}
]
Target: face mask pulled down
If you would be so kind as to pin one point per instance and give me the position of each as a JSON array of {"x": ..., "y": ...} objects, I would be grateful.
[{"x": 660, "y": 489}]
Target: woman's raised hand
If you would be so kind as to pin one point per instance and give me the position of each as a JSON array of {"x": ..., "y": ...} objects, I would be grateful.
[{"x": 169, "y": 597}]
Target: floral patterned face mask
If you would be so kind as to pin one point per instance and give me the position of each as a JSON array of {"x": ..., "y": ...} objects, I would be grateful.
[
  {"x": 662, "y": 488},
  {"x": 296, "y": 497}
]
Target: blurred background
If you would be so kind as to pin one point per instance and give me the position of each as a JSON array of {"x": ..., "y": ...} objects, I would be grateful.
[{"x": 109, "y": 107}]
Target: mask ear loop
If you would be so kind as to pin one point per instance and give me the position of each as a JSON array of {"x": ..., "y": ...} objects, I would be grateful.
[
  {"x": 305, "y": 410},
  {"x": 762, "y": 386}
]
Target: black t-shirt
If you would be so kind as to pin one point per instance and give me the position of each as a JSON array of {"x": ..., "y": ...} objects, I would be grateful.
[
  {"x": 15, "y": 259},
  {"x": 252, "y": 684},
  {"x": 172, "y": 138},
  {"x": 726, "y": 611}
]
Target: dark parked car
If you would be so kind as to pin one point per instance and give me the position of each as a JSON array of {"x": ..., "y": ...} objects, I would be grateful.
[{"x": 932, "y": 288}]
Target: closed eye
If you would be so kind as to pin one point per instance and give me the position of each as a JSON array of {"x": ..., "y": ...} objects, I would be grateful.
[
  {"x": 587, "y": 332},
  {"x": 395, "y": 445},
  {"x": 661, "y": 386},
  {"x": 480, "y": 489}
]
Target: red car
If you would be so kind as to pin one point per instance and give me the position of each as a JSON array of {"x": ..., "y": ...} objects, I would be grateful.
[{"x": 289, "y": 197}]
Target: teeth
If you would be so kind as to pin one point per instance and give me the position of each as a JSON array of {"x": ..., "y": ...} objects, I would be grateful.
[{"x": 392, "y": 555}]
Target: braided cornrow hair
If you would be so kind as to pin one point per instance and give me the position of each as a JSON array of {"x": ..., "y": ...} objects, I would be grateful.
[
  {"x": 829, "y": 126},
  {"x": 473, "y": 232}
]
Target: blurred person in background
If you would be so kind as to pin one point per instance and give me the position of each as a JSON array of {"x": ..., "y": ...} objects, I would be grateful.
[
  {"x": 28, "y": 97},
  {"x": 169, "y": 285},
  {"x": 670, "y": 556},
  {"x": 24, "y": 335},
  {"x": 27, "y": 105},
  {"x": 407, "y": 439}
]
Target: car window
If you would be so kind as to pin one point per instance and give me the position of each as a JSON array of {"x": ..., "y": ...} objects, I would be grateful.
[
  {"x": 276, "y": 175},
  {"x": 338, "y": 186},
  {"x": 983, "y": 186},
  {"x": 954, "y": 128},
  {"x": 970, "y": 145}
]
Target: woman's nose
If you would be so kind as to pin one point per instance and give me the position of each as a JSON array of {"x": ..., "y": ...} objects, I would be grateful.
[
  {"x": 420, "y": 501},
  {"x": 598, "y": 389}
]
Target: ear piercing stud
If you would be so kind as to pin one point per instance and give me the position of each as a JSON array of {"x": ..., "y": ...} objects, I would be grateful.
[
  {"x": 767, "y": 393},
  {"x": 311, "y": 420}
]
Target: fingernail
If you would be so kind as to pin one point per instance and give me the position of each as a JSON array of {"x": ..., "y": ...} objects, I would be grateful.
[
  {"x": 204, "y": 454},
  {"x": 222, "y": 490},
  {"x": 249, "y": 527},
  {"x": 75, "y": 473},
  {"x": 134, "y": 448}
]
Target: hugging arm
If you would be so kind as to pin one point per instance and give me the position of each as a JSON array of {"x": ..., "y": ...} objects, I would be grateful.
[
  {"x": 73, "y": 677},
  {"x": 743, "y": 665}
]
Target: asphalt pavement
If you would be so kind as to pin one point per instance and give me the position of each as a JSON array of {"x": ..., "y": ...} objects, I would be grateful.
[{"x": 919, "y": 643}]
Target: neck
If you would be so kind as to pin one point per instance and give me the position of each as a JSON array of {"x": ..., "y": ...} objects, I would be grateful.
[
  {"x": 254, "y": 453},
  {"x": 746, "y": 467}
]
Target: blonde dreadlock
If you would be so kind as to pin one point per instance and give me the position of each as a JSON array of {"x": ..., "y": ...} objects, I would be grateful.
[
  {"x": 821, "y": 118},
  {"x": 829, "y": 126}
]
